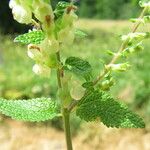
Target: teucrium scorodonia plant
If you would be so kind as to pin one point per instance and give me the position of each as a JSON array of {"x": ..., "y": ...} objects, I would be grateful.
[{"x": 54, "y": 30}]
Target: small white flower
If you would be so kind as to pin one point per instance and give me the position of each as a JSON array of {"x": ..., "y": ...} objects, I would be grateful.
[{"x": 13, "y": 3}]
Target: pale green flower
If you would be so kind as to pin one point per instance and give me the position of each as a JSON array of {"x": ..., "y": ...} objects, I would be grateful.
[
  {"x": 68, "y": 19},
  {"x": 77, "y": 91},
  {"x": 21, "y": 11},
  {"x": 43, "y": 11},
  {"x": 137, "y": 37},
  {"x": 66, "y": 36}
]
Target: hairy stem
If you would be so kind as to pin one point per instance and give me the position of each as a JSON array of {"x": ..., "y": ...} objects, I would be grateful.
[
  {"x": 65, "y": 112},
  {"x": 66, "y": 120},
  {"x": 122, "y": 47}
]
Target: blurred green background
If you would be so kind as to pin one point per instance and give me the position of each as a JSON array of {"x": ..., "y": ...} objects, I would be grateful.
[
  {"x": 93, "y": 9},
  {"x": 100, "y": 19}
]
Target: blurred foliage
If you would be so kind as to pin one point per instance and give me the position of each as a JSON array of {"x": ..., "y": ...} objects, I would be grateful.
[
  {"x": 106, "y": 9},
  {"x": 100, "y": 9}
]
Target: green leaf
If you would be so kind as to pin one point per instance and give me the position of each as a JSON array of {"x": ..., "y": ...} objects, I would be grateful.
[
  {"x": 79, "y": 67},
  {"x": 80, "y": 34},
  {"x": 33, "y": 37},
  {"x": 40, "y": 109},
  {"x": 60, "y": 8},
  {"x": 112, "y": 113}
]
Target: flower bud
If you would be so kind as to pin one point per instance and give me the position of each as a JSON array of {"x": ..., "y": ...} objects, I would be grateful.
[
  {"x": 132, "y": 49},
  {"x": 105, "y": 85},
  {"x": 21, "y": 12},
  {"x": 118, "y": 67},
  {"x": 41, "y": 70}
]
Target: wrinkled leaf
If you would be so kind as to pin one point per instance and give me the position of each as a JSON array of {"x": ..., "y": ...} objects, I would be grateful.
[
  {"x": 33, "y": 37},
  {"x": 40, "y": 109},
  {"x": 112, "y": 113},
  {"x": 79, "y": 66}
]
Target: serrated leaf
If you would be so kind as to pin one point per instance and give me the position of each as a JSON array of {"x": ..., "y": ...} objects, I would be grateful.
[
  {"x": 78, "y": 66},
  {"x": 112, "y": 113},
  {"x": 40, "y": 109},
  {"x": 33, "y": 37},
  {"x": 80, "y": 34}
]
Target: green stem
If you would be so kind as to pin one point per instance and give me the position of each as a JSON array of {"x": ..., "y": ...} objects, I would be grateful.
[
  {"x": 66, "y": 120},
  {"x": 65, "y": 111},
  {"x": 59, "y": 71}
]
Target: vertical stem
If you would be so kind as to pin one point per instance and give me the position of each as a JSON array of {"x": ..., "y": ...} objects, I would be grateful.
[
  {"x": 65, "y": 112},
  {"x": 66, "y": 120},
  {"x": 59, "y": 74}
]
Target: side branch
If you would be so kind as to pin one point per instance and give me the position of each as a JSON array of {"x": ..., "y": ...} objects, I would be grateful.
[{"x": 122, "y": 47}]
